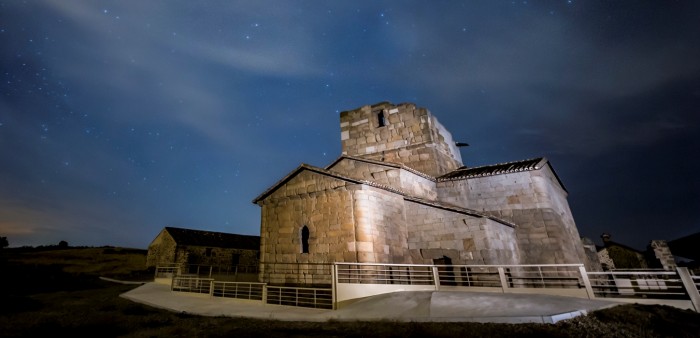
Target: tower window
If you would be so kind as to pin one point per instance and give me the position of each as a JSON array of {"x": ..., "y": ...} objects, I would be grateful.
[
  {"x": 381, "y": 119},
  {"x": 305, "y": 239}
]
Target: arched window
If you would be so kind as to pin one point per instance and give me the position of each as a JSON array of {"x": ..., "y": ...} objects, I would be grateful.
[{"x": 305, "y": 239}]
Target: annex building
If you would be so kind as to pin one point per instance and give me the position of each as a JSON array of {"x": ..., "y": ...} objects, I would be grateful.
[{"x": 399, "y": 193}]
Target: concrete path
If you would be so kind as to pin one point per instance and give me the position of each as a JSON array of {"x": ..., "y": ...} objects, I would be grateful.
[{"x": 437, "y": 306}]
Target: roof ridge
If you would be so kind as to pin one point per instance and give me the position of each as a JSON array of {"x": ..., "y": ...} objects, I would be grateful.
[
  {"x": 512, "y": 167},
  {"x": 209, "y": 231}
]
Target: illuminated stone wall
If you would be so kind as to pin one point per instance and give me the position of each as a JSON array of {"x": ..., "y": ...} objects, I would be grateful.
[
  {"x": 410, "y": 135},
  {"x": 534, "y": 201}
]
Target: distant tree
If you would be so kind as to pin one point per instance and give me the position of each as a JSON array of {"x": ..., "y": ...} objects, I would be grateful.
[
  {"x": 62, "y": 244},
  {"x": 4, "y": 243}
]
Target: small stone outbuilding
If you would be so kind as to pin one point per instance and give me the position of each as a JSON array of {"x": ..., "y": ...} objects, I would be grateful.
[
  {"x": 614, "y": 255},
  {"x": 206, "y": 248}
]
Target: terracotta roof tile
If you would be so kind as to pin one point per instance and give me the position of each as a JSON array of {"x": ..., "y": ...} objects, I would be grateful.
[{"x": 495, "y": 169}]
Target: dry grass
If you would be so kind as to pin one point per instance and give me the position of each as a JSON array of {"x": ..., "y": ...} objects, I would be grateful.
[{"x": 81, "y": 305}]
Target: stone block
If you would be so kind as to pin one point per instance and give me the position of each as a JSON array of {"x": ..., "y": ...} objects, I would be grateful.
[{"x": 365, "y": 246}]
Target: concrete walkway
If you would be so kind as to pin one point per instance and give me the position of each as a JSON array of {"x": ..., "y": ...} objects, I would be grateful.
[{"x": 436, "y": 306}]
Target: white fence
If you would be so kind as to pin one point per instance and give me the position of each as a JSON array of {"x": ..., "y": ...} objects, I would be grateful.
[
  {"x": 351, "y": 281},
  {"x": 304, "y": 297},
  {"x": 357, "y": 280},
  {"x": 165, "y": 273},
  {"x": 250, "y": 291},
  {"x": 643, "y": 284}
]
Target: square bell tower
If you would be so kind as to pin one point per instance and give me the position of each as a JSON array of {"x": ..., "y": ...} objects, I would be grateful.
[{"x": 401, "y": 133}]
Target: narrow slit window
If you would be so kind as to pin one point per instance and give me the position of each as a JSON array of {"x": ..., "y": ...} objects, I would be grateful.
[
  {"x": 381, "y": 119},
  {"x": 305, "y": 239}
]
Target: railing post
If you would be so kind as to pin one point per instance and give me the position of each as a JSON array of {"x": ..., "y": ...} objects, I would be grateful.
[
  {"x": 690, "y": 287},
  {"x": 436, "y": 277},
  {"x": 586, "y": 282},
  {"x": 504, "y": 281},
  {"x": 211, "y": 288},
  {"x": 334, "y": 285},
  {"x": 264, "y": 294}
]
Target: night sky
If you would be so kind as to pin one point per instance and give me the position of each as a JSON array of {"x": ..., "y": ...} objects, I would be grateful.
[{"x": 118, "y": 118}]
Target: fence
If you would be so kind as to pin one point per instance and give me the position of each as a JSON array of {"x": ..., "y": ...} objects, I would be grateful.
[
  {"x": 320, "y": 298},
  {"x": 165, "y": 273},
  {"x": 641, "y": 284},
  {"x": 190, "y": 283},
  {"x": 350, "y": 281},
  {"x": 250, "y": 291},
  {"x": 357, "y": 280}
]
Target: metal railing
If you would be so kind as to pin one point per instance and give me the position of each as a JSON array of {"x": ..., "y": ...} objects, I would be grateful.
[
  {"x": 638, "y": 284},
  {"x": 367, "y": 273},
  {"x": 320, "y": 298},
  {"x": 509, "y": 276},
  {"x": 191, "y": 283},
  {"x": 358, "y": 280},
  {"x": 250, "y": 291},
  {"x": 696, "y": 281},
  {"x": 167, "y": 271},
  {"x": 211, "y": 270},
  {"x": 559, "y": 276}
]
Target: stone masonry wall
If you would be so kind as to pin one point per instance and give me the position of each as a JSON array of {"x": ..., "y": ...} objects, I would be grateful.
[
  {"x": 434, "y": 233},
  {"x": 662, "y": 253},
  {"x": 161, "y": 251},
  {"x": 324, "y": 205},
  {"x": 546, "y": 231},
  {"x": 380, "y": 226},
  {"x": 410, "y": 135},
  {"x": 218, "y": 257},
  {"x": 394, "y": 177},
  {"x": 347, "y": 222}
]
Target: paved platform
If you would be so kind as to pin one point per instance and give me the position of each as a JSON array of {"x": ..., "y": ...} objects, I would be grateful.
[{"x": 436, "y": 306}]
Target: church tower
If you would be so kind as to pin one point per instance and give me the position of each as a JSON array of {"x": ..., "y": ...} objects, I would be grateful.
[{"x": 400, "y": 133}]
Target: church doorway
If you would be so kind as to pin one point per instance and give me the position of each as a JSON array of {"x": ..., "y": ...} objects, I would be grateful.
[{"x": 445, "y": 270}]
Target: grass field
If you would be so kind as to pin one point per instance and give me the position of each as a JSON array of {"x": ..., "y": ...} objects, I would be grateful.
[{"x": 58, "y": 293}]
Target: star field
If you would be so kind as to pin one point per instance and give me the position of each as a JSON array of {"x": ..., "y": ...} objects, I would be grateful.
[{"x": 120, "y": 118}]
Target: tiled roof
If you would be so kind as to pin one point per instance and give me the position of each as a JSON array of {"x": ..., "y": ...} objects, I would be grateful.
[
  {"x": 213, "y": 239},
  {"x": 494, "y": 169}
]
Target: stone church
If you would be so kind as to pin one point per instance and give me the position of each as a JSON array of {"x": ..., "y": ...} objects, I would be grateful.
[{"x": 399, "y": 193}]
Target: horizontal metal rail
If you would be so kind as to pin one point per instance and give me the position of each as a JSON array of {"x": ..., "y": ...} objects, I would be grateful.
[
  {"x": 191, "y": 284},
  {"x": 319, "y": 298},
  {"x": 515, "y": 276},
  {"x": 166, "y": 271},
  {"x": 385, "y": 274},
  {"x": 638, "y": 284},
  {"x": 239, "y": 290}
]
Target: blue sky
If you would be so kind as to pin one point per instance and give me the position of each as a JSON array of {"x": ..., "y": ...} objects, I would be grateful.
[{"x": 118, "y": 118}]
